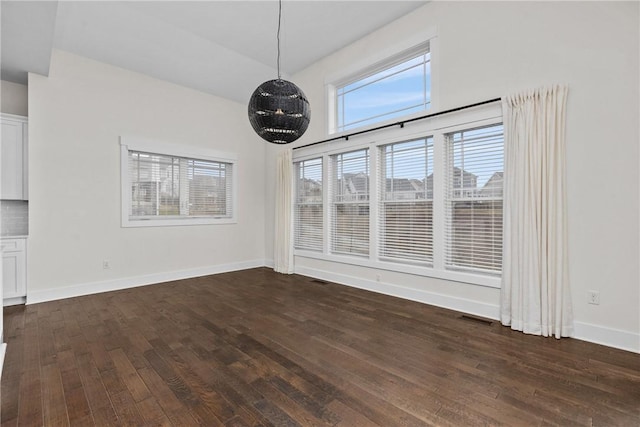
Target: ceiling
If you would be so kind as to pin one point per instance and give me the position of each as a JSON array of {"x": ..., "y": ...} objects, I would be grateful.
[{"x": 224, "y": 48}]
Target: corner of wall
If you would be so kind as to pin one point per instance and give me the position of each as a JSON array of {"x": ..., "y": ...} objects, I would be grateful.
[{"x": 13, "y": 98}]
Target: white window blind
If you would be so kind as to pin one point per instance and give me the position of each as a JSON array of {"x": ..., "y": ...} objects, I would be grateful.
[
  {"x": 425, "y": 201},
  {"x": 473, "y": 200},
  {"x": 350, "y": 203},
  {"x": 164, "y": 186},
  {"x": 308, "y": 205},
  {"x": 406, "y": 201}
]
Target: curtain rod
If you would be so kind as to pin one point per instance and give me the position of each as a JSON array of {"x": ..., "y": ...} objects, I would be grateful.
[{"x": 400, "y": 123}]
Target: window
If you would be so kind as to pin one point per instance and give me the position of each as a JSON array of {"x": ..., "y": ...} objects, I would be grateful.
[
  {"x": 406, "y": 201},
  {"x": 160, "y": 188},
  {"x": 308, "y": 205},
  {"x": 424, "y": 199},
  {"x": 473, "y": 200},
  {"x": 350, "y": 203},
  {"x": 396, "y": 87}
]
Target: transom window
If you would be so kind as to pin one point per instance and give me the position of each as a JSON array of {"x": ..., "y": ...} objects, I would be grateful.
[{"x": 395, "y": 88}]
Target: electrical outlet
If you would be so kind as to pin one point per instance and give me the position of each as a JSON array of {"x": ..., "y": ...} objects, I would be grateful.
[
  {"x": 106, "y": 265},
  {"x": 377, "y": 277},
  {"x": 594, "y": 297}
]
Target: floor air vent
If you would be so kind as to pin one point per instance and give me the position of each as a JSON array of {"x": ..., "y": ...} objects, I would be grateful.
[
  {"x": 476, "y": 320},
  {"x": 318, "y": 281}
]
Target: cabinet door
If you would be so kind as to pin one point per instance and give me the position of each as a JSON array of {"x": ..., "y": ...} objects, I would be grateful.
[
  {"x": 12, "y": 160},
  {"x": 13, "y": 275}
]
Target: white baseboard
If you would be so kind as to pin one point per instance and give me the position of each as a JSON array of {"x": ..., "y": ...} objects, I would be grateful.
[
  {"x": 617, "y": 338},
  {"x": 481, "y": 309},
  {"x": 3, "y": 351},
  {"x": 34, "y": 297},
  {"x": 13, "y": 301}
]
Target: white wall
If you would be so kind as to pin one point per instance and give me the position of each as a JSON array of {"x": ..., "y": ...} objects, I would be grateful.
[
  {"x": 13, "y": 98},
  {"x": 489, "y": 49},
  {"x": 76, "y": 116}
]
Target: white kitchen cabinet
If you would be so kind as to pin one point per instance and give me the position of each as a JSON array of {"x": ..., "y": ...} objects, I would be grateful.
[
  {"x": 14, "y": 270},
  {"x": 14, "y": 156}
]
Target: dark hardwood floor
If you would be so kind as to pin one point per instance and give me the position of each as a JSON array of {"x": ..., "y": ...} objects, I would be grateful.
[{"x": 258, "y": 348}]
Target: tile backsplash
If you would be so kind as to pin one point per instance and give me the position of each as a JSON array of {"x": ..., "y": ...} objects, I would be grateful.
[{"x": 14, "y": 218}]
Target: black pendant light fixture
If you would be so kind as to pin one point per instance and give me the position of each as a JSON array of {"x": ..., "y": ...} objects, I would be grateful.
[{"x": 278, "y": 110}]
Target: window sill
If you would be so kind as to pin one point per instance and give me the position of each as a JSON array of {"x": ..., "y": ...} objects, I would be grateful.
[
  {"x": 127, "y": 223},
  {"x": 454, "y": 276}
]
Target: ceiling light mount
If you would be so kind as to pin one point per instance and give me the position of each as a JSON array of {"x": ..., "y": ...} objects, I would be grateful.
[{"x": 278, "y": 110}]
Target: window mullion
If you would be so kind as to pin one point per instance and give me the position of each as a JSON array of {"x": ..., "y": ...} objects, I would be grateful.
[
  {"x": 327, "y": 196},
  {"x": 439, "y": 181},
  {"x": 374, "y": 194},
  {"x": 183, "y": 185}
]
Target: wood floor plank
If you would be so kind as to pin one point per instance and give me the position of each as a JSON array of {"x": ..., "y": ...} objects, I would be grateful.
[
  {"x": 95, "y": 391},
  {"x": 54, "y": 407},
  {"x": 125, "y": 408},
  {"x": 233, "y": 389},
  {"x": 283, "y": 401},
  {"x": 349, "y": 417},
  {"x": 74, "y": 396},
  {"x": 129, "y": 375},
  {"x": 151, "y": 411},
  {"x": 257, "y": 348},
  {"x": 207, "y": 394},
  {"x": 182, "y": 390},
  {"x": 31, "y": 384},
  {"x": 168, "y": 402}
]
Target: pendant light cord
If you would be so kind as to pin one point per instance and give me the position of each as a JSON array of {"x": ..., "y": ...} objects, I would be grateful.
[{"x": 278, "y": 36}]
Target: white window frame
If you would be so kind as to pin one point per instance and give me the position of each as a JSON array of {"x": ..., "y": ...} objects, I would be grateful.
[
  {"x": 383, "y": 58},
  {"x": 133, "y": 143},
  {"x": 438, "y": 128}
]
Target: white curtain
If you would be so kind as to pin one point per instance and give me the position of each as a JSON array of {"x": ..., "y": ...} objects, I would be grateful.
[
  {"x": 535, "y": 295},
  {"x": 283, "y": 241}
]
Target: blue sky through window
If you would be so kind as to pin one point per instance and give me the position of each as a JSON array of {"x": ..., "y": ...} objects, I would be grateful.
[{"x": 402, "y": 89}]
